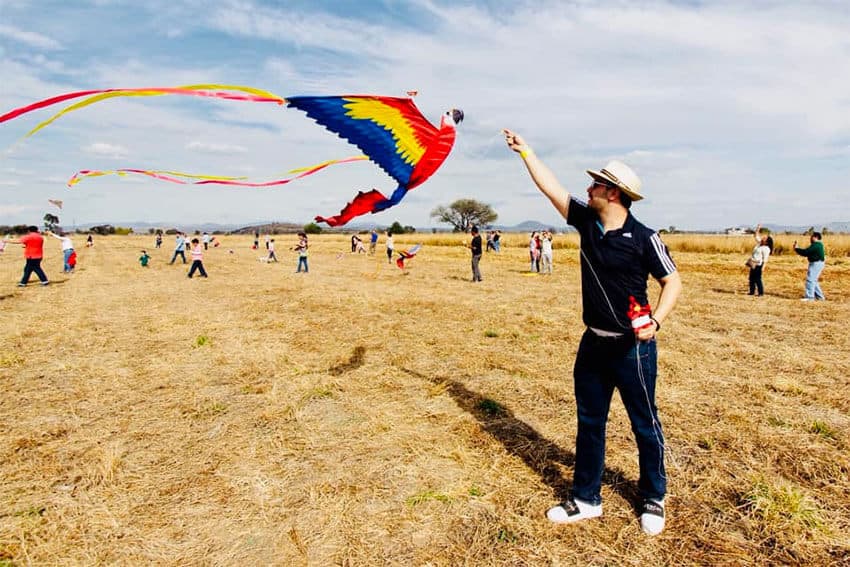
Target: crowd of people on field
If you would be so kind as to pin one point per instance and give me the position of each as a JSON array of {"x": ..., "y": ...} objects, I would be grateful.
[{"x": 617, "y": 350}]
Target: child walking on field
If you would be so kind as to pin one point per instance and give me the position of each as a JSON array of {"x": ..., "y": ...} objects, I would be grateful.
[{"x": 197, "y": 259}]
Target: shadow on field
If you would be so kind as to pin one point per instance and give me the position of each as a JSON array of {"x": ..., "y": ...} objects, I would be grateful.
[
  {"x": 353, "y": 363},
  {"x": 778, "y": 295},
  {"x": 520, "y": 439}
]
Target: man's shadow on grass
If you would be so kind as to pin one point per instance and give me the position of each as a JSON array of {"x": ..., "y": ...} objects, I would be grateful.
[{"x": 540, "y": 454}]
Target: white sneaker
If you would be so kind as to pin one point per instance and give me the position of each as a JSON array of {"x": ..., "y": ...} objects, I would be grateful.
[
  {"x": 652, "y": 517},
  {"x": 573, "y": 510}
]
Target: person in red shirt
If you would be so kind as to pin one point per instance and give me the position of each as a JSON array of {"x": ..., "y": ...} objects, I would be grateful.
[{"x": 33, "y": 253}]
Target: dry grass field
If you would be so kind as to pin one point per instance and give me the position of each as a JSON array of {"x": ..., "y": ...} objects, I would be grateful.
[{"x": 359, "y": 415}]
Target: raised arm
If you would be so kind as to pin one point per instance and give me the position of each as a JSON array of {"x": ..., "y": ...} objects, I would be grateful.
[
  {"x": 540, "y": 173},
  {"x": 757, "y": 234}
]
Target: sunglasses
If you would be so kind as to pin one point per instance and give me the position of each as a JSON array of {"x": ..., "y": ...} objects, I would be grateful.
[{"x": 603, "y": 185}]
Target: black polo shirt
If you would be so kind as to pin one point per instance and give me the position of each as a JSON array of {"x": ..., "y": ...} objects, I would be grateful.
[{"x": 615, "y": 265}]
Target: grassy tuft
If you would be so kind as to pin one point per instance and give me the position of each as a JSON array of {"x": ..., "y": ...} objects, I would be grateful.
[
  {"x": 823, "y": 429},
  {"x": 782, "y": 507},
  {"x": 426, "y": 496}
]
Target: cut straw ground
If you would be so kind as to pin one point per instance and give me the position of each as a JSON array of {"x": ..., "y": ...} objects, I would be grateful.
[{"x": 362, "y": 415}]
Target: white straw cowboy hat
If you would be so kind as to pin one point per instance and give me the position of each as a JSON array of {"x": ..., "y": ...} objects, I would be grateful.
[{"x": 620, "y": 175}]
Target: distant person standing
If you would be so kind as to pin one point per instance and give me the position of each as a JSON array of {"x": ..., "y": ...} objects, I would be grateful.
[
  {"x": 33, "y": 253},
  {"x": 256, "y": 245},
  {"x": 89, "y": 241},
  {"x": 497, "y": 241},
  {"x": 159, "y": 240},
  {"x": 179, "y": 248},
  {"x": 197, "y": 259},
  {"x": 301, "y": 249},
  {"x": 390, "y": 247},
  {"x": 816, "y": 255},
  {"x": 534, "y": 251},
  {"x": 475, "y": 247},
  {"x": 758, "y": 260},
  {"x": 205, "y": 238},
  {"x": 268, "y": 240},
  {"x": 546, "y": 253},
  {"x": 144, "y": 259},
  {"x": 373, "y": 242},
  {"x": 271, "y": 257},
  {"x": 67, "y": 250}
]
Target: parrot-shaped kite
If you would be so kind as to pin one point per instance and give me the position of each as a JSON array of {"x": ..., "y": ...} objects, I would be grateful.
[
  {"x": 390, "y": 131},
  {"x": 407, "y": 255}
]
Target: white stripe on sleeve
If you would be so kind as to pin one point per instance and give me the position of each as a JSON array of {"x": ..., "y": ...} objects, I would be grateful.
[{"x": 663, "y": 255}]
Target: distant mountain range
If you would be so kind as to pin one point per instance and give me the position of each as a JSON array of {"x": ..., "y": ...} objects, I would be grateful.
[{"x": 525, "y": 226}]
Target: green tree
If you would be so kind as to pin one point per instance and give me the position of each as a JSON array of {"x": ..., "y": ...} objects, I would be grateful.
[
  {"x": 312, "y": 228},
  {"x": 50, "y": 222},
  {"x": 396, "y": 228},
  {"x": 463, "y": 214}
]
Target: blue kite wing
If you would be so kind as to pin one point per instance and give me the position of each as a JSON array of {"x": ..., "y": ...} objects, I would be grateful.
[{"x": 390, "y": 131}]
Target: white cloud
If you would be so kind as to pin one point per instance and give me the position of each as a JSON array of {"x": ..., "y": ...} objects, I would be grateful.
[
  {"x": 210, "y": 148},
  {"x": 104, "y": 149},
  {"x": 29, "y": 38},
  {"x": 13, "y": 209}
]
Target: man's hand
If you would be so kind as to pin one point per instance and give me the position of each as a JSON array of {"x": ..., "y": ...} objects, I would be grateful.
[
  {"x": 648, "y": 332},
  {"x": 514, "y": 141}
]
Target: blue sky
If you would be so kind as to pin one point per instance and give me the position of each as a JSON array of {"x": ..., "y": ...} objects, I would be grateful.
[{"x": 732, "y": 113}]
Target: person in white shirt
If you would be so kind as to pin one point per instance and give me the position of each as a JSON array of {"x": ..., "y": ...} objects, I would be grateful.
[
  {"x": 546, "y": 253},
  {"x": 390, "y": 247},
  {"x": 271, "y": 257},
  {"x": 67, "y": 249},
  {"x": 758, "y": 259},
  {"x": 205, "y": 238}
]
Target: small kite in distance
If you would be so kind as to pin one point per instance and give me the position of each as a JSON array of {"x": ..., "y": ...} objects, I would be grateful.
[{"x": 407, "y": 255}]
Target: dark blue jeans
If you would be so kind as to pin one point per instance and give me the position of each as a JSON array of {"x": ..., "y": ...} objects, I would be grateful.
[
  {"x": 755, "y": 280},
  {"x": 302, "y": 261},
  {"x": 178, "y": 253},
  {"x": 199, "y": 266},
  {"x": 603, "y": 364},
  {"x": 33, "y": 266}
]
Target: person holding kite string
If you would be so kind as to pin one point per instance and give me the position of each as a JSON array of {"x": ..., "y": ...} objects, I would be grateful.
[
  {"x": 618, "y": 348},
  {"x": 33, "y": 243},
  {"x": 67, "y": 249}
]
